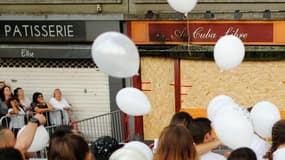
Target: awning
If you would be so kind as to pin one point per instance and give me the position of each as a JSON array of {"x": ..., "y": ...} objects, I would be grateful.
[{"x": 52, "y": 51}]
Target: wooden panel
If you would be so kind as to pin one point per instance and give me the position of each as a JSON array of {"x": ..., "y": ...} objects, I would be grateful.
[
  {"x": 247, "y": 84},
  {"x": 279, "y": 32},
  {"x": 195, "y": 113},
  {"x": 157, "y": 75},
  {"x": 58, "y": 1}
]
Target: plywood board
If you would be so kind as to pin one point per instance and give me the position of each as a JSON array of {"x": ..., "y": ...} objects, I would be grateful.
[{"x": 157, "y": 75}]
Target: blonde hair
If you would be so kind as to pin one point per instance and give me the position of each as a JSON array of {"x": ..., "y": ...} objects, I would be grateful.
[{"x": 175, "y": 143}]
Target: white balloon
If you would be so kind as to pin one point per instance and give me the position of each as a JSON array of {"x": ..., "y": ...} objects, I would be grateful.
[
  {"x": 140, "y": 147},
  {"x": 127, "y": 154},
  {"x": 40, "y": 140},
  {"x": 217, "y": 103},
  {"x": 133, "y": 101},
  {"x": 115, "y": 54},
  {"x": 264, "y": 114},
  {"x": 183, "y": 6},
  {"x": 233, "y": 128},
  {"x": 229, "y": 52}
]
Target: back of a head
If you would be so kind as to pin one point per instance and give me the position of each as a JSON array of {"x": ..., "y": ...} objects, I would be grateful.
[
  {"x": 61, "y": 131},
  {"x": 199, "y": 128},
  {"x": 7, "y": 137},
  {"x": 243, "y": 153},
  {"x": 69, "y": 146},
  {"x": 10, "y": 153},
  {"x": 103, "y": 147},
  {"x": 175, "y": 143},
  {"x": 278, "y": 138},
  {"x": 278, "y": 132},
  {"x": 182, "y": 118}
]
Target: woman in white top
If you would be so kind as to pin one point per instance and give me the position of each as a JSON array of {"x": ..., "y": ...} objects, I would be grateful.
[
  {"x": 16, "y": 113},
  {"x": 277, "y": 150},
  {"x": 59, "y": 104}
]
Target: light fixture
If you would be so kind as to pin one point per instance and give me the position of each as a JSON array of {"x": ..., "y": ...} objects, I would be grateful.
[
  {"x": 179, "y": 15},
  {"x": 267, "y": 14},
  {"x": 149, "y": 14},
  {"x": 237, "y": 14},
  {"x": 209, "y": 15},
  {"x": 99, "y": 8}
]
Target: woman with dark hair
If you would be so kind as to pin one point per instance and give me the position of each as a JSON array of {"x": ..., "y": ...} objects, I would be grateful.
[
  {"x": 5, "y": 94},
  {"x": 186, "y": 120},
  {"x": 68, "y": 147},
  {"x": 175, "y": 143},
  {"x": 12, "y": 153},
  {"x": 182, "y": 118},
  {"x": 243, "y": 153},
  {"x": 17, "y": 114},
  {"x": 25, "y": 102},
  {"x": 39, "y": 105},
  {"x": 277, "y": 150}
]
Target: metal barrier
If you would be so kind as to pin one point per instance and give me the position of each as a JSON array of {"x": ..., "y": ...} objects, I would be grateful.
[
  {"x": 113, "y": 124},
  {"x": 16, "y": 121},
  {"x": 110, "y": 124}
]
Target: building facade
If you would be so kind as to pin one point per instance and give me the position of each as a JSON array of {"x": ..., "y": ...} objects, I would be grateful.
[{"x": 53, "y": 39}]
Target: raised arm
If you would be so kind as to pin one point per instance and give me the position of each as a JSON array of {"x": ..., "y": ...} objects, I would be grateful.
[
  {"x": 206, "y": 147},
  {"x": 40, "y": 110},
  {"x": 26, "y": 137}
]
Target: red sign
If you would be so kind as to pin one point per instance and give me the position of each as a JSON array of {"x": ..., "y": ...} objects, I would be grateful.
[{"x": 209, "y": 32}]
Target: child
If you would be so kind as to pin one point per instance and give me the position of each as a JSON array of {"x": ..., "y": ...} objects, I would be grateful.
[{"x": 201, "y": 133}]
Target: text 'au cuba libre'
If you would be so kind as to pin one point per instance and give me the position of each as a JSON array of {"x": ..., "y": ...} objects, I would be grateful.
[{"x": 202, "y": 33}]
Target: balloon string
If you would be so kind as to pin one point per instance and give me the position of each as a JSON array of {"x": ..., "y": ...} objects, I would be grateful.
[{"x": 188, "y": 35}]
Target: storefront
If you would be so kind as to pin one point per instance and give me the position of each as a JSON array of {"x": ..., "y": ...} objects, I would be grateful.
[
  {"x": 181, "y": 53},
  {"x": 41, "y": 53}
]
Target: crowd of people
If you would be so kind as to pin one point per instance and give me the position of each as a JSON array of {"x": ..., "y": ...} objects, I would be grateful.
[
  {"x": 185, "y": 138},
  {"x": 17, "y": 108}
]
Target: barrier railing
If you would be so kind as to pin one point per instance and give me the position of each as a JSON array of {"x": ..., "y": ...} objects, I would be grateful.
[
  {"x": 109, "y": 124},
  {"x": 15, "y": 121},
  {"x": 113, "y": 124}
]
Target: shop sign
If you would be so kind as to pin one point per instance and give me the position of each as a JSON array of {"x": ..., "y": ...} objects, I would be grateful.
[
  {"x": 209, "y": 32},
  {"x": 42, "y": 31},
  {"x": 206, "y": 32}
]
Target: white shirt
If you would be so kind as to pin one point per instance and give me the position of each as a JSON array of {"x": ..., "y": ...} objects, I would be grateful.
[
  {"x": 26, "y": 102},
  {"x": 17, "y": 120},
  {"x": 55, "y": 116},
  {"x": 279, "y": 154},
  {"x": 259, "y": 146},
  {"x": 211, "y": 156}
]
